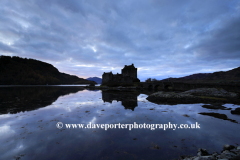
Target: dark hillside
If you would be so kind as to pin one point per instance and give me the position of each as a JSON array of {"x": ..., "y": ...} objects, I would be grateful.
[
  {"x": 23, "y": 71},
  {"x": 225, "y": 77}
]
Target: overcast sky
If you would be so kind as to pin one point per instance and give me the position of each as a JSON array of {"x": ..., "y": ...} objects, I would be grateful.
[{"x": 163, "y": 38}]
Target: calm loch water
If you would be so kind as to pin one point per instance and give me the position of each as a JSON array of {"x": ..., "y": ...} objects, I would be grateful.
[{"x": 28, "y": 118}]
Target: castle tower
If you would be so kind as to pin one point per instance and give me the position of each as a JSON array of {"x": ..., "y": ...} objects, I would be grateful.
[
  {"x": 130, "y": 71},
  {"x": 107, "y": 77}
]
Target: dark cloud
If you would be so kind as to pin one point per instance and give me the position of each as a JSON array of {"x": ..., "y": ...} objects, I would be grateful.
[
  {"x": 224, "y": 43},
  {"x": 162, "y": 38}
]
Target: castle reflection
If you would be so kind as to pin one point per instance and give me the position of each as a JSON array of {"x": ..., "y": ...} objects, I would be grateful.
[{"x": 128, "y": 99}]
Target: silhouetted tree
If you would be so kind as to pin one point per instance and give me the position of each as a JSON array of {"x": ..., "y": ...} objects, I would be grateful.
[
  {"x": 154, "y": 79},
  {"x": 148, "y": 80}
]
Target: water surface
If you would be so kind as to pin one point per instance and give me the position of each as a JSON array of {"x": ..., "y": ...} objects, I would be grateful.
[{"x": 28, "y": 117}]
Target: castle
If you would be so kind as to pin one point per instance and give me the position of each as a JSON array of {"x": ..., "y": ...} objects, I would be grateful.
[{"x": 129, "y": 75}]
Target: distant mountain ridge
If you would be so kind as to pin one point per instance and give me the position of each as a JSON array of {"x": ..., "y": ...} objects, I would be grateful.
[
  {"x": 222, "y": 76},
  {"x": 22, "y": 71},
  {"x": 95, "y": 79},
  {"x": 197, "y": 76}
]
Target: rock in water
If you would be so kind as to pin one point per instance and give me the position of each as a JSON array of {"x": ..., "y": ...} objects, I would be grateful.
[
  {"x": 228, "y": 147},
  {"x": 215, "y": 107},
  {"x": 236, "y": 111}
]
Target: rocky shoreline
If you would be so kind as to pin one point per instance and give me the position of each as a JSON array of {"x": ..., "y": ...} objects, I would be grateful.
[
  {"x": 229, "y": 152},
  {"x": 199, "y": 95}
]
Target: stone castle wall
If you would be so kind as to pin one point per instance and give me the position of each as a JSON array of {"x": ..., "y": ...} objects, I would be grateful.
[
  {"x": 129, "y": 74},
  {"x": 129, "y": 71},
  {"x": 106, "y": 77}
]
